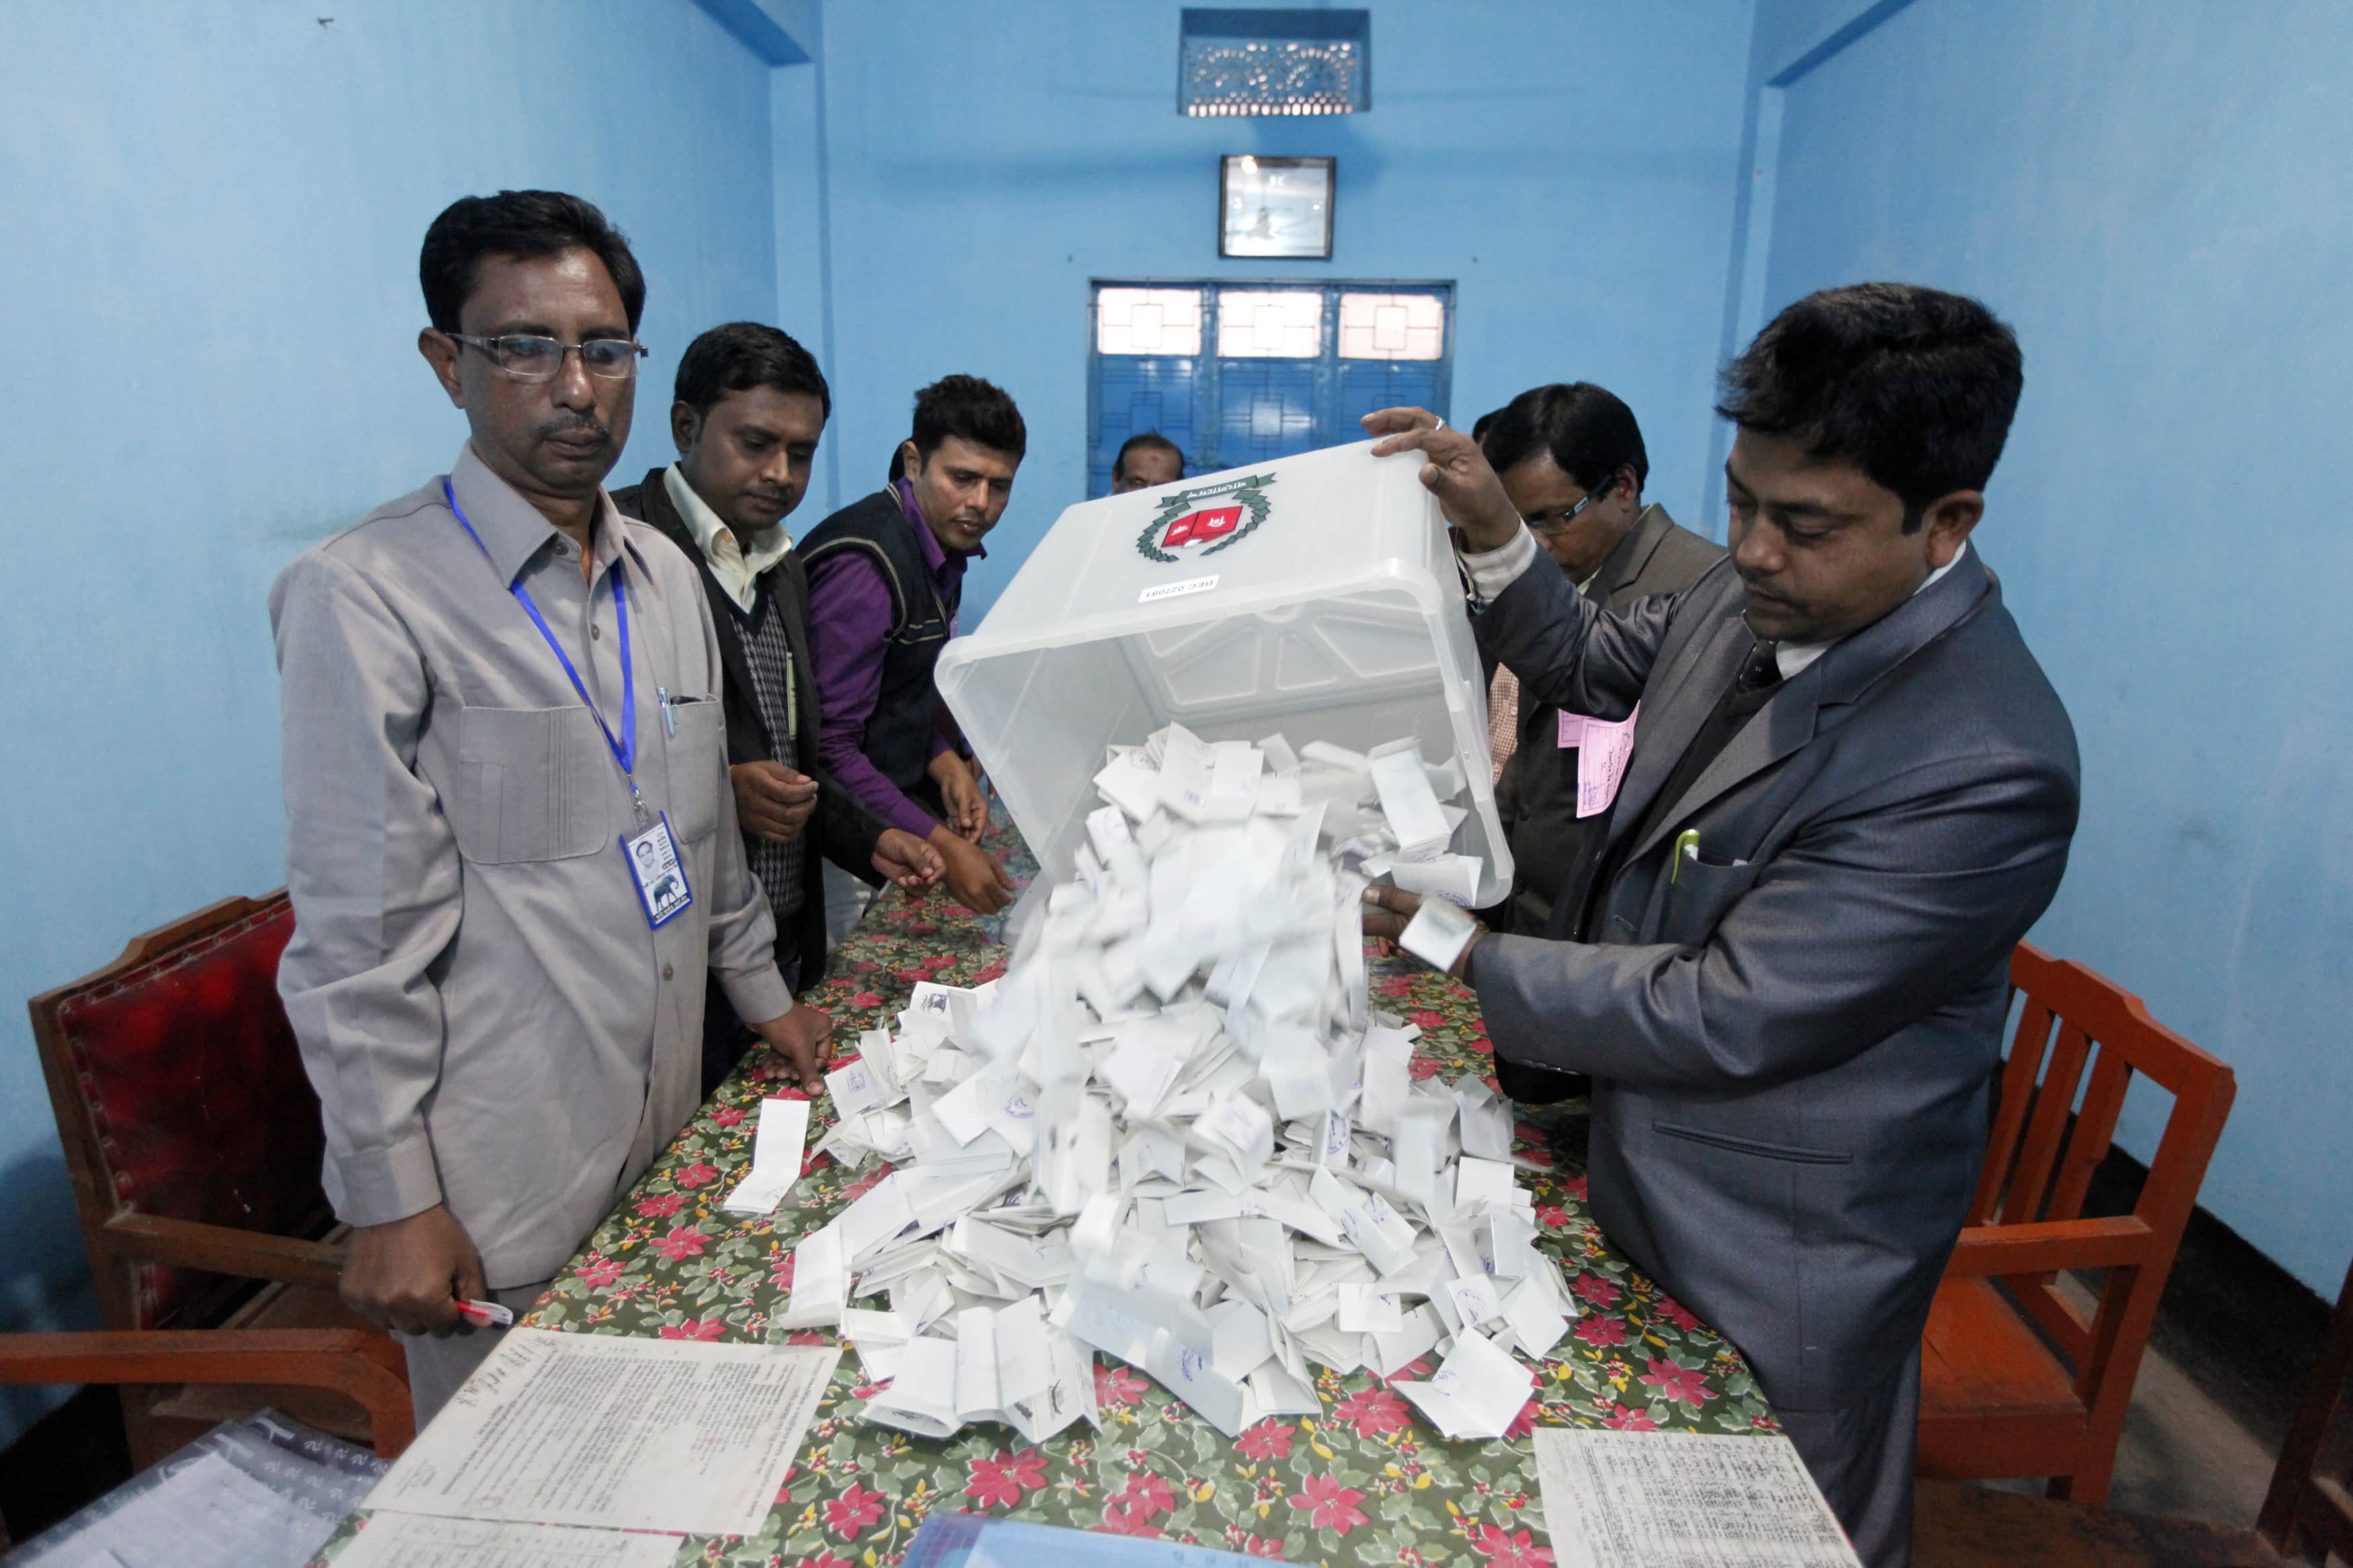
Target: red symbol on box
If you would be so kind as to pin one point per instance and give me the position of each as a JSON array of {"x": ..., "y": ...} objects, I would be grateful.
[{"x": 1201, "y": 527}]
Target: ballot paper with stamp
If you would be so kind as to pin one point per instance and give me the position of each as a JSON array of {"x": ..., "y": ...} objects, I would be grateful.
[
  {"x": 1670, "y": 1499},
  {"x": 1603, "y": 749},
  {"x": 623, "y": 1434}
]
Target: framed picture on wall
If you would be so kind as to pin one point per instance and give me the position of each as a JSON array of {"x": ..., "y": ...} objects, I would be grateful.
[{"x": 1279, "y": 208}]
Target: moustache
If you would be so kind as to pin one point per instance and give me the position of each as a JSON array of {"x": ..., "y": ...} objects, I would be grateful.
[{"x": 573, "y": 427}]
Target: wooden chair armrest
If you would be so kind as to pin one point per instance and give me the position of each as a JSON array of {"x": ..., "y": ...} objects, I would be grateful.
[
  {"x": 360, "y": 1363},
  {"x": 224, "y": 1250},
  {"x": 2050, "y": 1246}
]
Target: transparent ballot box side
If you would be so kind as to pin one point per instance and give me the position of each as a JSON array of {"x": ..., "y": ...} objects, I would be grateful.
[{"x": 1315, "y": 597}]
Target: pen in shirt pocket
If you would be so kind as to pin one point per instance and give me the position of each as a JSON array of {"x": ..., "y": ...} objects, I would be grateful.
[{"x": 669, "y": 721}]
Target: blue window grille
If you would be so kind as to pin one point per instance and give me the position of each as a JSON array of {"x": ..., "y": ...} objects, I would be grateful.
[{"x": 1238, "y": 373}]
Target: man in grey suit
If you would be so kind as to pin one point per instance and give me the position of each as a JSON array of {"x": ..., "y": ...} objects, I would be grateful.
[
  {"x": 1852, "y": 793},
  {"x": 1573, "y": 466}
]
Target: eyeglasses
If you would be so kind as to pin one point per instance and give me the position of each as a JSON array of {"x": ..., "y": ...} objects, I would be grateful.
[
  {"x": 1559, "y": 525},
  {"x": 528, "y": 358}
]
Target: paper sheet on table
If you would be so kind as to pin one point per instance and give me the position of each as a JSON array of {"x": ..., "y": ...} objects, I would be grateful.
[
  {"x": 205, "y": 1514},
  {"x": 1649, "y": 1500},
  {"x": 419, "y": 1541},
  {"x": 624, "y": 1434},
  {"x": 776, "y": 1145}
]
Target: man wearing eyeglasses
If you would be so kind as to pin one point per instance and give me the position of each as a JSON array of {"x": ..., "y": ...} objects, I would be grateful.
[
  {"x": 511, "y": 848},
  {"x": 1572, "y": 461}
]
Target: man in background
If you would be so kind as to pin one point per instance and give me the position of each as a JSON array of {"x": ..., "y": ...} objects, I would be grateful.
[
  {"x": 498, "y": 995},
  {"x": 1145, "y": 461},
  {"x": 886, "y": 580},
  {"x": 1572, "y": 461},
  {"x": 750, "y": 408}
]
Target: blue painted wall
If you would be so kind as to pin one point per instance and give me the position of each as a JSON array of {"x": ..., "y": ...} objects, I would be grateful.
[
  {"x": 2161, "y": 202},
  {"x": 1570, "y": 164},
  {"x": 214, "y": 212}
]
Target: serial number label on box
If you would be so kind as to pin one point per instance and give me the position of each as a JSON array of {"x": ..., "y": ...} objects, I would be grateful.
[{"x": 1176, "y": 590}]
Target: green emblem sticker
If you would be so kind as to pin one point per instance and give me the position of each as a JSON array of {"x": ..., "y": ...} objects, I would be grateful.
[{"x": 1186, "y": 527}]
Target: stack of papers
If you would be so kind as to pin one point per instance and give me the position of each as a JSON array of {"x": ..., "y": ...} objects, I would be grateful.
[{"x": 1176, "y": 1131}]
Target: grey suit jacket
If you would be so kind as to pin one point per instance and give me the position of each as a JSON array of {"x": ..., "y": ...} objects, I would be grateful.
[
  {"x": 1792, "y": 1039},
  {"x": 1536, "y": 796}
]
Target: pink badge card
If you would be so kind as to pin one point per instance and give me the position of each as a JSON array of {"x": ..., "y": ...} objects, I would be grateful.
[{"x": 1602, "y": 749}]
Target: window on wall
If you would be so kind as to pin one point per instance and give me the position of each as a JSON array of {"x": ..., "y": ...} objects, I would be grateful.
[{"x": 1238, "y": 374}]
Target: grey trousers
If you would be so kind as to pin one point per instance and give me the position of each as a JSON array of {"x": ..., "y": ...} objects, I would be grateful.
[
  {"x": 846, "y": 898},
  {"x": 1861, "y": 1457},
  {"x": 438, "y": 1365}
]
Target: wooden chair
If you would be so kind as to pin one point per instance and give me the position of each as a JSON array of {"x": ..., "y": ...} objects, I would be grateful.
[
  {"x": 2021, "y": 1380},
  {"x": 2309, "y": 1511},
  {"x": 368, "y": 1368},
  {"x": 193, "y": 1143}
]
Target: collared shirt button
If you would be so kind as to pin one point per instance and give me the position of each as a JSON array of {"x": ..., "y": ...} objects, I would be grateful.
[
  {"x": 595, "y": 630},
  {"x": 666, "y": 971}
]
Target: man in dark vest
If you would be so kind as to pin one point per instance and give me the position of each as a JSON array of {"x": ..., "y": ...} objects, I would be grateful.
[
  {"x": 886, "y": 577},
  {"x": 751, "y": 407}
]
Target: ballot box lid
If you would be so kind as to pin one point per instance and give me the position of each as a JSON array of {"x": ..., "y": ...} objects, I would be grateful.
[{"x": 1314, "y": 596}]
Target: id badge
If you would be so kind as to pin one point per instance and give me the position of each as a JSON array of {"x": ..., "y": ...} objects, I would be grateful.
[{"x": 660, "y": 875}]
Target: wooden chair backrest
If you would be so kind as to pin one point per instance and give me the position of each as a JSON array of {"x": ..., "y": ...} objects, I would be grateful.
[
  {"x": 179, "y": 1092},
  {"x": 2053, "y": 1126}
]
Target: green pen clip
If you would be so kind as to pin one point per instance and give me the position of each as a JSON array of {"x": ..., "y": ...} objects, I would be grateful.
[{"x": 1686, "y": 843}]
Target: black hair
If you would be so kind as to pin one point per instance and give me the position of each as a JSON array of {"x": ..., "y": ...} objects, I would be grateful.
[
  {"x": 1152, "y": 441},
  {"x": 1915, "y": 387},
  {"x": 1589, "y": 432},
  {"x": 967, "y": 407},
  {"x": 518, "y": 222},
  {"x": 1479, "y": 426},
  {"x": 742, "y": 355}
]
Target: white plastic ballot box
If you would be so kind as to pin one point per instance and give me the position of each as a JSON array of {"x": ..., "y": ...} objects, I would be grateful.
[{"x": 1313, "y": 596}]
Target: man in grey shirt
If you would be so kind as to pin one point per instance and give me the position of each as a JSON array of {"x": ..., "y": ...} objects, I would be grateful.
[{"x": 501, "y": 706}]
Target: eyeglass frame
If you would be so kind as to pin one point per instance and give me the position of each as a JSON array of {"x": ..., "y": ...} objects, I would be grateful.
[
  {"x": 565, "y": 351},
  {"x": 1559, "y": 525}
]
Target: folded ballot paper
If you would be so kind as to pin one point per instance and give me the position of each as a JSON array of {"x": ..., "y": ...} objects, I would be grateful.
[{"x": 1175, "y": 1131}]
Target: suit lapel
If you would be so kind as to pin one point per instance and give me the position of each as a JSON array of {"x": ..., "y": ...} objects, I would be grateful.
[
  {"x": 1626, "y": 564},
  {"x": 1677, "y": 700},
  {"x": 1839, "y": 676}
]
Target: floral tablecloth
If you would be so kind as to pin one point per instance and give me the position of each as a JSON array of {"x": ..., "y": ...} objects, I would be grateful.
[{"x": 1367, "y": 1483}]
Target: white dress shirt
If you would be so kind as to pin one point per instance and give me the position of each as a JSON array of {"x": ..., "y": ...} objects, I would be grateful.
[{"x": 738, "y": 569}]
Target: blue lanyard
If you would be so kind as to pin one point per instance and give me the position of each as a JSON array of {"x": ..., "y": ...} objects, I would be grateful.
[{"x": 625, "y": 750}]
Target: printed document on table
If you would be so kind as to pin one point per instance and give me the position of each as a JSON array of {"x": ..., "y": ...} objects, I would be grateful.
[
  {"x": 1676, "y": 1500},
  {"x": 419, "y": 1541},
  {"x": 204, "y": 1514},
  {"x": 621, "y": 1433}
]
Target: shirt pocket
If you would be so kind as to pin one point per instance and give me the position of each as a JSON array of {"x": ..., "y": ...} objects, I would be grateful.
[
  {"x": 529, "y": 784},
  {"x": 697, "y": 758}
]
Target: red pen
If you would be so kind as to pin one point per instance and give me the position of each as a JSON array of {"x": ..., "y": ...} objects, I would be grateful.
[{"x": 487, "y": 1314}]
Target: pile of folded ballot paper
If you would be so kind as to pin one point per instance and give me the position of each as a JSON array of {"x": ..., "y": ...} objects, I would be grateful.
[{"x": 1177, "y": 1132}]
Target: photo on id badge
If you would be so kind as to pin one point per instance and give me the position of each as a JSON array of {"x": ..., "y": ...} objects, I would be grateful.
[{"x": 661, "y": 880}]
